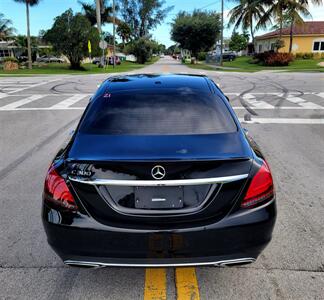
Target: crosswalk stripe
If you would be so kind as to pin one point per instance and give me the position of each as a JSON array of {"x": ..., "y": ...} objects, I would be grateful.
[
  {"x": 320, "y": 95},
  {"x": 302, "y": 102},
  {"x": 280, "y": 108},
  {"x": 300, "y": 121},
  {"x": 21, "y": 102},
  {"x": 251, "y": 100},
  {"x": 32, "y": 85},
  {"x": 68, "y": 102}
]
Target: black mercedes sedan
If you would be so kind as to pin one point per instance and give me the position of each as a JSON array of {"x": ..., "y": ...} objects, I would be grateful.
[{"x": 159, "y": 172}]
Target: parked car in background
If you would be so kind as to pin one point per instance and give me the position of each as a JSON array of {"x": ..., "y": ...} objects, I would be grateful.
[
  {"x": 229, "y": 56},
  {"x": 22, "y": 58},
  {"x": 96, "y": 60},
  {"x": 50, "y": 59},
  {"x": 111, "y": 60}
]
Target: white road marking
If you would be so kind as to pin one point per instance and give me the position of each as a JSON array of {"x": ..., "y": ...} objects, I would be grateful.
[
  {"x": 302, "y": 102},
  {"x": 320, "y": 95},
  {"x": 40, "y": 108},
  {"x": 14, "y": 105},
  {"x": 68, "y": 102},
  {"x": 251, "y": 100},
  {"x": 280, "y": 108},
  {"x": 283, "y": 121},
  {"x": 82, "y": 108},
  {"x": 32, "y": 86},
  {"x": 5, "y": 84}
]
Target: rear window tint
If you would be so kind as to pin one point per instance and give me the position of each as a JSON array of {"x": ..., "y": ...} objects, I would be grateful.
[{"x": 163, "y": 112}]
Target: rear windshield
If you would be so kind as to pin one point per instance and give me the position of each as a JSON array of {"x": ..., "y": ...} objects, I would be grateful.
[{"x": 162, "y": 112}]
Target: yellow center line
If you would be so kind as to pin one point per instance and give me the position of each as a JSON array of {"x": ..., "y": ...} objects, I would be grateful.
[
  {"x": 155, "y": 284},
  {"x": 187, "y": 284}
]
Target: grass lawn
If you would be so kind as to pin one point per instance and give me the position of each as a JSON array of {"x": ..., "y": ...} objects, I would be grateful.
[
  {"x": 56, "y": 68},
  {"x": 242, "y": 64}
]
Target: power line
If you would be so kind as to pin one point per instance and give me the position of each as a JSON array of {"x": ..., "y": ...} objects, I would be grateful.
[
  {"x": 210, "y": 4},
  {"x": 197, "y": 8}
]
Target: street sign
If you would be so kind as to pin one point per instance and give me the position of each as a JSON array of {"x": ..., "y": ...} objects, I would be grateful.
[{"x": 103, "y": 44}]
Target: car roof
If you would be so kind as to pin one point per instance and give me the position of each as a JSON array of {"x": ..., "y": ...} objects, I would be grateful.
[{"x": 153, "y": 81}]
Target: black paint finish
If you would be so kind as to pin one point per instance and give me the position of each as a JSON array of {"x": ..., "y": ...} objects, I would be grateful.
[{"x": 215, "y": 226}]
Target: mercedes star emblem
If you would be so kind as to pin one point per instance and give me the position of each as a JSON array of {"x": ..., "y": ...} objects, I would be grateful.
[{"x": 158, "y": 172}]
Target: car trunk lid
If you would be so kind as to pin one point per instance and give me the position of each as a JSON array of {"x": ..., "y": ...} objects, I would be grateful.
[{"x": 113, "y": 179}]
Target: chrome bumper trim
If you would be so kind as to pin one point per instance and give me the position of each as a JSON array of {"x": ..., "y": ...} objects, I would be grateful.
[{"x": 221, "y": 263}]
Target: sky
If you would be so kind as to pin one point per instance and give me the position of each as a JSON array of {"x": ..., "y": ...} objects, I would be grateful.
[{"x": 42, "y": 15}]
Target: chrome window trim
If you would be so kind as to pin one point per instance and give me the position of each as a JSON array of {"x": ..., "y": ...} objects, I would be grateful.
[{"x": 175, "y": 182}]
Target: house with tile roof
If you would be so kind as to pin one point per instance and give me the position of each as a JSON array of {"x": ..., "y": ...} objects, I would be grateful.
[{"x": 307, "y": 37}]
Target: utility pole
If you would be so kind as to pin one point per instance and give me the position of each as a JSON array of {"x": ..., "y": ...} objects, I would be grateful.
[
  {"x": 222, "y": 35},
  {"x": 114, "y": 34},
  {"x": 98, "y": 15}
]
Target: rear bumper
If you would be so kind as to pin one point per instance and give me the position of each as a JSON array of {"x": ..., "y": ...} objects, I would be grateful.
[{"x": 237, "y": 238}]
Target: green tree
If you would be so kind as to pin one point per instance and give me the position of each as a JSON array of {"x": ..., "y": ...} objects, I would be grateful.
[
  {"x": 295, "y": 12},
  {"x": 28, "y": 3},
  {"x": 245, "y": 14},
  {"x": 277, "y": 10},
  {"x": 6, "y": 29},
  {"x": 197, "y": 31},
  {"x": 89, "y": 10},
  {"x": 124, "y": 31},
  {"x": 143, "y": 15},
  {"x": 142, "y": 48},
  {"x": 162, "y": 48},
  {"x": 108, "y": 37},
  {"x": 274, "y": 11},
  {"x": 238, "y": 41},
  {"x": 70, "y": 34},
  {"x": 172, "y": 49}
]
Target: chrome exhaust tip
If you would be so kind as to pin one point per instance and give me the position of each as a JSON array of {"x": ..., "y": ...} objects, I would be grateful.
[{"x": 232, "y": 262}]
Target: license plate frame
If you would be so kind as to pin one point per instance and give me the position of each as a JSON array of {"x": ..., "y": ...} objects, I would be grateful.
[{"x": 158, "y": 197}]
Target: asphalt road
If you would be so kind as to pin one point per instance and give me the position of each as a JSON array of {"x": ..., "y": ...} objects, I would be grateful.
[{"x": 287, "y": 120}]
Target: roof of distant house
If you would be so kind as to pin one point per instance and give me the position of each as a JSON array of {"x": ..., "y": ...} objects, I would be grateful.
[{"x": 307, "y": 28}]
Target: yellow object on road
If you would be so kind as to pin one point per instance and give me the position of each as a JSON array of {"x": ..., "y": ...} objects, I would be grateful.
[
  {"x": 186, "y": 283},
  {"x": 155, "y": 284}
]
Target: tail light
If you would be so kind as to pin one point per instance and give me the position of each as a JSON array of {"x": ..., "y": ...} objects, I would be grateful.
[
  {"x": 57, "y": 192},
  {"x": 261, "y": 188}
]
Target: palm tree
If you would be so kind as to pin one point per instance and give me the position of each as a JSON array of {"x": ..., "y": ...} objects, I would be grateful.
[
  {"x": 5, "y": 27},
  {"x": 295, "y": 12},
  {"x": 124, "y": 31},
  {"x": 275, "y": 10},
  {"x": 245, "y": 13},
  {"x": 106, "y": 13},
  {"x": 286, "y": 11},
  {"x": 28, "y": 3}
]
